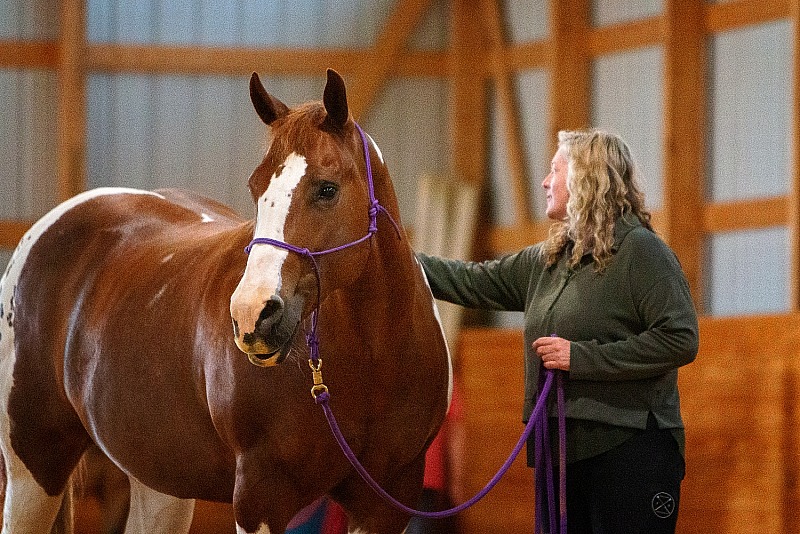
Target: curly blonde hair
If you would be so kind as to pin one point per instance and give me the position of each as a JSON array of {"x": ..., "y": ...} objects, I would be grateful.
[{"x": 603, "y": 185}]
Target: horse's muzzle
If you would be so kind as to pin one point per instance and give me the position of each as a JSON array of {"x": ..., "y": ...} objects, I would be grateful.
[{"x": 272, "y": 335}]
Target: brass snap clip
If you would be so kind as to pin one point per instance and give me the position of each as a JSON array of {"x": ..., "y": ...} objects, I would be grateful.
[{"x": 316, "y": 371}]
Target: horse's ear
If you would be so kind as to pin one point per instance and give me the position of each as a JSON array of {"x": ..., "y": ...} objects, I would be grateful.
[
  {"x": 335, "y": 100},
  {"x": 267, "y": 106}
]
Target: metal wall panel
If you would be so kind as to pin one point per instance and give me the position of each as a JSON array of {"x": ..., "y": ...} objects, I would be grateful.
[
  {"x": 526, "y": 20},
  {"x": 533, "y": 96},
  {"x": 409, "y": 122},
  {"x": 194, "y": 132},
  {"x": 749, "y": 119},
  {"x": 501, "y": 204},
  {"x": 627, "y": 99},
  {"x": 29, "y": 19},
  {"x": 747, "y": 272},
  {"x": 749, "y": 133},
  {"x": 606, "y": 12},
  {"x": 285, "y": 23},
  {"x": 27, "y": 145}
]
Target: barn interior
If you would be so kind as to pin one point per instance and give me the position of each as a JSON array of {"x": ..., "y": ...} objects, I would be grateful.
[{"x": 465, "y": 99}]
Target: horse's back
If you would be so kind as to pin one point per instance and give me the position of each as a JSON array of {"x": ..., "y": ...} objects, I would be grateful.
[{"x": 98, "y": 327}]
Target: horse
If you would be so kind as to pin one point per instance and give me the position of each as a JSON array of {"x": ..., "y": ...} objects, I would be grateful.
[{"x": 130, "y": 320}]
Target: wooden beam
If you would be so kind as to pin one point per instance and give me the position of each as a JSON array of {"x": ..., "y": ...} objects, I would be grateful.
[
  {"x": 372, "y": 74},
  {"x": 468, "y": 104},
  {"x": 531, "y": 55},
  {"x": 424, "y": 63},
  {"x": 503, "y": 239},
  {"x": 11, "y": 232},
  {"x": 71, "y": 150},
  {"x": 468, "y": 111},
  {"x": 28, "y": 54},
  {"x": 163, "y": 59},
  {"x": 731, "y": 15},
  {"x": 746, "y": 214},
  {"x": 684, "y": 136},
  {"x": 625, "y": 36},
  {"x": 159, "y": 59}
]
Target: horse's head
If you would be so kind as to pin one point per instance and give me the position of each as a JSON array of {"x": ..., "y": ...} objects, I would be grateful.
[{"x": 311, "y": 192}]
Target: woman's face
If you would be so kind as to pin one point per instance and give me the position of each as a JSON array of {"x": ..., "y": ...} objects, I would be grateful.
[{"x": 555, "y": 186}]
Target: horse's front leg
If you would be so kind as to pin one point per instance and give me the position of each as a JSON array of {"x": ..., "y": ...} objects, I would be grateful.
[
  {"x": 152, "y": 512},
  {"x": 264, "y": 501},
  {"x": 370, "y": 513}
]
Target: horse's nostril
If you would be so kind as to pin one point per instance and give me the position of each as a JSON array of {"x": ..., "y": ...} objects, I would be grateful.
[{"x": 270, "y": 314}]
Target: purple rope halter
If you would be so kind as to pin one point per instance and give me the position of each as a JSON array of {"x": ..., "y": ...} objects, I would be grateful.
[{"x": 321, "y": 395}]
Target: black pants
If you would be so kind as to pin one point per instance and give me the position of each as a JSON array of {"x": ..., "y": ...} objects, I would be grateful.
[{"x": 631, "y": 489}]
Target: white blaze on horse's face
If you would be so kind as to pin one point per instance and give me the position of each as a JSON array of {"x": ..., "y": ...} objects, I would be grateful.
[{"x": 262, "y": 276}]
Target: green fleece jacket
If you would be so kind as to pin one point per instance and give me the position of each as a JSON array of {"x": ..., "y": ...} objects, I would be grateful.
[{"x": 630, "y": 329}]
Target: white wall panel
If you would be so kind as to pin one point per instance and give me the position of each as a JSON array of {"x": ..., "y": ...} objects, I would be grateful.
[
  {"x": 409, "y": 122},
  {"x": 286, "y": 23},
  {"x": 748, "y": 272},
  {"x": 29, "y": 19},
  {"x": 28, "y": 143},
  {"x": 194, "y": 132},
  {"x": 606, "y": 12},
  {"x": 750, "y": 100},
  {"x": 502, "y": 206},
  {"x": 627, "y": 99},
  {"x": 433, "y": 32},
  {"x": 174, "y": 22},
  {"x": 533, "y": 95},
  {"x": 526, "y": 20}
]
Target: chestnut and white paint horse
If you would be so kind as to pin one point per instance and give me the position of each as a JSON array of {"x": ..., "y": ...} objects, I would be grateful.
[{"x": 117, "y": 309}]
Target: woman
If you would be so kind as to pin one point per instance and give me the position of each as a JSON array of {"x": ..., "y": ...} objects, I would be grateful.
[{"x": 605, "y": 300}]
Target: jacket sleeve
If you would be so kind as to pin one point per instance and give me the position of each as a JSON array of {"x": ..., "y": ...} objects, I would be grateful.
[
  {"x": 669, "y": 336},
  {"x": 500, "y": 284}
]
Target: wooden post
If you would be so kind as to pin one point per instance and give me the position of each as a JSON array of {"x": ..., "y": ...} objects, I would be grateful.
[
  {"x": 791, "y": 379},
  {"x": 794, "y": 183},
  {"x": 570, "y": 93},
  {"x": 468, "y": 103},
  {"x": 71, "y": 152},
  {"x": 684, "y": 146}
]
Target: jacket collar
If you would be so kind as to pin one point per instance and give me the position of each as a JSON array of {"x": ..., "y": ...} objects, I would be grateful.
[{"x": 623, "y": 226}]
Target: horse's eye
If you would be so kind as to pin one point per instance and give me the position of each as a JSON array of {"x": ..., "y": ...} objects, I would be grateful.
[{"x": 327, "y": 191}]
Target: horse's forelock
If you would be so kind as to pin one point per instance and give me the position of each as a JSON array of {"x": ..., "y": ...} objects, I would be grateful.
[{"x": 299, "y": 127}]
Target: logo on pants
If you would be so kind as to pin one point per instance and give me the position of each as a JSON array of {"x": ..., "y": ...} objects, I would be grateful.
[{"x": 663, "y": 505}]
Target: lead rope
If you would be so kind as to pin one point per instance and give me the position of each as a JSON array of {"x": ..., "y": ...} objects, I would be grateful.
[{"x": 322, "y": 397}]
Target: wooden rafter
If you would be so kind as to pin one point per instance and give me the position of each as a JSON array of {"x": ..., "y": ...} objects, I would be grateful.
[
  {"x": 373, "y": 70},
  {"x": 30, "y": 54},
  {"x": 224, "y": 61},
  {"x": 570, "y": 91},
  {"x": 730, "y": 15}
]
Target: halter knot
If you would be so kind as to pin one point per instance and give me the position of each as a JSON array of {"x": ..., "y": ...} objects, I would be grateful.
[{"x": 373, "y": 216}]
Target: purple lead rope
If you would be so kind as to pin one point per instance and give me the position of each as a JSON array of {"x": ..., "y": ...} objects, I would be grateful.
[{"x": 539, "y": 413}]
